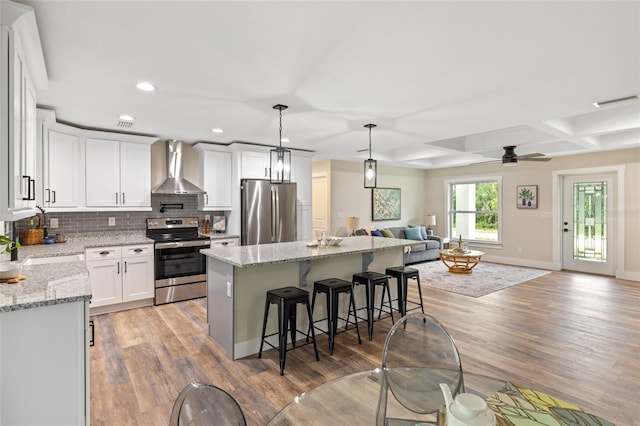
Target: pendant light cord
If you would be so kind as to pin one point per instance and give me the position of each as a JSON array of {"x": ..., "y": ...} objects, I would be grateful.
[{"x": 280, "y": 128}]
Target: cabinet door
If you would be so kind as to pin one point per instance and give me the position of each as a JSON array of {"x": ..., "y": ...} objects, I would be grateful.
[
  {"x": 135, "y": 175},
  {"x": 216, "y": 172},
  {"x": 106, "y": 284},
  {"x": 137, "y": 279},
  {"x": 102, "y": 173},
  {"x": 301, "y": 174},
  {"x": 61, "y": 189},
  {"x": 29, "y": 140},
  {"x": 19, "y": 189},
  {"x": 255, "y": 165}
]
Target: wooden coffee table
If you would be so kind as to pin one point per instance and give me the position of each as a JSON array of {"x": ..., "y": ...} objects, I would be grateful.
[{"x": 461, "y": 263}]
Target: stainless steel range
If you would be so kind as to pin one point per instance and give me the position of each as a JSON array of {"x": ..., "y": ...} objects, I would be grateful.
[{"x": 180, "y": 268}]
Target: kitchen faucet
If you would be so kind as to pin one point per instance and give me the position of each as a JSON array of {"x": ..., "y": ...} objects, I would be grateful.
[{"x": 45, "y": 234}]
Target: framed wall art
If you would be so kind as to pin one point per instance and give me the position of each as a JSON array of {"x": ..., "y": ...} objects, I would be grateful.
[
  {"x": 386, "y": 203},
  {"x": 527, "y": 196}
]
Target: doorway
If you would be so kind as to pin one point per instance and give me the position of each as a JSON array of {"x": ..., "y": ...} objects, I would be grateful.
[
  {"x": 320, "y": 204},
  {"x": 588, "y": 223}
]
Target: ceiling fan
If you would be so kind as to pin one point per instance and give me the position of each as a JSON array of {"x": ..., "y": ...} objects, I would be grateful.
[{"x": 510, "y": 158}]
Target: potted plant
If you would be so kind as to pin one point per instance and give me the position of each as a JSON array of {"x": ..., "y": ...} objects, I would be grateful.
[{"x": 9, "y": 269}]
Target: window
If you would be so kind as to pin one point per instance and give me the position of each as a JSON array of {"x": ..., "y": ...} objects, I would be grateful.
[{"x": 474, "y": 209}]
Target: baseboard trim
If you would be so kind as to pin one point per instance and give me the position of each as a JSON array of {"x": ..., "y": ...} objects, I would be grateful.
[
  {"x": 549, "y": 266},
  {"x": 628, "y": 275}
]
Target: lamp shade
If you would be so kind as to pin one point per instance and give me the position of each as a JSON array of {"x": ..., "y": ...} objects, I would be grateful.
[
  {"x": 430, "y": 220},
  {"x": 353, "y": 222}
]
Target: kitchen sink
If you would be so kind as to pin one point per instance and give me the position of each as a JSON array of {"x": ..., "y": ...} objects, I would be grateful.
[{"x": 53, "y": 259}]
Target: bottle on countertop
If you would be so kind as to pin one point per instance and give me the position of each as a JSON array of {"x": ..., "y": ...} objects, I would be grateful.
[{"x": 206, "y": 226}]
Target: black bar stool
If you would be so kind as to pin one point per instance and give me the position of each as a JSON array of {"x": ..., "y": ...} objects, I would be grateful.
[
  {"x": 332, "y": 287},
  {"x": 287, "y": 299},
  {"x": 371, "y": 280},
  {"x": 402, "y": 274}
]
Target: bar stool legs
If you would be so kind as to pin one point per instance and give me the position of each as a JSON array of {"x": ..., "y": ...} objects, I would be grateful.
[
  {"x": 370, "y": 280},
  {"x": 402, "y": 274},
  {"x": 332, "y": 287},
  {"x": 287, "y": 299}
]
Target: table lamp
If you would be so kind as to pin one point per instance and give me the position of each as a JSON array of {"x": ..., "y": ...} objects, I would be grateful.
[
  {"x": 429, "y": 221},
  {"x": 353, "y": 223}
]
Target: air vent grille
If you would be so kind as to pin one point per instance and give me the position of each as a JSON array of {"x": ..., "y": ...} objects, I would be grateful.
[{"x": 125, "y": 124}]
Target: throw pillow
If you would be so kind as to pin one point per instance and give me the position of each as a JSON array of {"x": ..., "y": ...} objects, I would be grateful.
[
  {"x": 376, "y": 233},
  {"x": 387, "y": 233},
  {"x": 423, "y": 232},
  {"x": 412, "y": 234}
]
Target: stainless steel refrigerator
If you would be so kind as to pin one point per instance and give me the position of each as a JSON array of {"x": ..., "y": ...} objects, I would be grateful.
[{"x": 268, "y": 212}]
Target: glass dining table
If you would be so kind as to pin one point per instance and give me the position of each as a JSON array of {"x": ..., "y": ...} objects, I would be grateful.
[{"x": 353, "y": 400}]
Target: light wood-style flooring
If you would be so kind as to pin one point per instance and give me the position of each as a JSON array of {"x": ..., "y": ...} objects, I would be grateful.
[{"x": 573, "y": 335}]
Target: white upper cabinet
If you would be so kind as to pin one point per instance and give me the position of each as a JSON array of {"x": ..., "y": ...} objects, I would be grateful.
[
  {"x": 118, "y": 174},
  {"x": 18, "y": 63},
  {"x": 215, "y": 177},
  {"x": 61, "y": 164},
  {"x": 255, "y": 165}
]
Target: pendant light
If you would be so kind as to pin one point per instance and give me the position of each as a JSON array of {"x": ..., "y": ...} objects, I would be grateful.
[
  {"x": 280, "y": 157},
  {"x": 370, "y": 165}
]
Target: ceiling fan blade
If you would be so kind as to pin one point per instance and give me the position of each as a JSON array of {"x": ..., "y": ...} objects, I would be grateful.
[
  {"x": 534, "y": 159},
  {"x": 525, "y": 156}
]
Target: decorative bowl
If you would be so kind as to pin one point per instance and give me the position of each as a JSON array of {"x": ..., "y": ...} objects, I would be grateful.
[
  {"x": 333, "y": 241},
  {"x": 10, "y": 269}
]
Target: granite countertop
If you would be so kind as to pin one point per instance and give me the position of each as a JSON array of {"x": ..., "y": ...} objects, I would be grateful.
[
  {"x": 219, "y": 236},
  {"x": 266, "y": 254},
  {"x": 47, "y": 284},
  {"x": 63, "y": 281},
  {"x": 77, "y": 243}
]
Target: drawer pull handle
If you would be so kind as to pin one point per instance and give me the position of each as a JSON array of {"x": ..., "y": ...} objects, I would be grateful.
[
  {"x": 138, "y": 250},
  {"x": 225, "y": 243},
  {"x": 104, "y": 253}
]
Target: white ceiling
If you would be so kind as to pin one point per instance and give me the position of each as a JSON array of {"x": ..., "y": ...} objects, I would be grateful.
[{"x": 447, "y": 83}]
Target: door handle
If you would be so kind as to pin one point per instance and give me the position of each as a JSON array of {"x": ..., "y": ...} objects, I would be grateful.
[
  {"x": 125, "y": 267},
  {"x": 118, "y": 268},
  {"x": 54, "y": 197},
  {"x": 566, "y": 230},
  {"x": 116, "y": 198},
  {"x": 123, "y": 202},
  {"x": 48, "y": 195}
]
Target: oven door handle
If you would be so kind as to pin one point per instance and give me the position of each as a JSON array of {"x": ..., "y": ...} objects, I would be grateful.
[
  {"x": 178, "y": 256},
  {"x": 178, "y": 244}
]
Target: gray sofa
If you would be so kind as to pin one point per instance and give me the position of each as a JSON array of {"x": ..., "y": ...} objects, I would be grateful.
[{"x": 422, "y": 250}]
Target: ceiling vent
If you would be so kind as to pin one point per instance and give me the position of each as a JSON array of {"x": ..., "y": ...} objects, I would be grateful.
[{"x": 125, "y": 124}]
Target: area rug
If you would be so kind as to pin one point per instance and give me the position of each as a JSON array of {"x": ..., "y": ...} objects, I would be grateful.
[{"x": 485, "y": 279}]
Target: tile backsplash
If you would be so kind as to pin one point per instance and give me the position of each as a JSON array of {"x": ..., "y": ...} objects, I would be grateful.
[{"x": 74, "y": 222}]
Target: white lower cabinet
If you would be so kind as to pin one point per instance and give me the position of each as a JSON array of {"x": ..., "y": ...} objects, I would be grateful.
[
  {"x": 44, "y": 365},
  {"x": 225, "y": 242},
  {"x": 119, "y": 275}
]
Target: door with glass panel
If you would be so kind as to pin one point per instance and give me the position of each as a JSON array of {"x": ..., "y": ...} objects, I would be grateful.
[{"x": 588, "y": 224}]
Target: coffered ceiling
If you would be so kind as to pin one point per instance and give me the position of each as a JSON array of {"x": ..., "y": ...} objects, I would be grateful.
[{"x": 447, "y": 83}]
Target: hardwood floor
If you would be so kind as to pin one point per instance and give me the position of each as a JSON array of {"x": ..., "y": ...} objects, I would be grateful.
[{"x": 573, "y": 335}]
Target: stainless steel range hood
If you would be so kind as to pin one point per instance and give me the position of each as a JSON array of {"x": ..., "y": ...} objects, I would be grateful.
[{"x": 175, "y": 183}]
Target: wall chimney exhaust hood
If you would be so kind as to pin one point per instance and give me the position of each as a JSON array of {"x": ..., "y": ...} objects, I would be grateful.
[{"x": 175, "y": 183}]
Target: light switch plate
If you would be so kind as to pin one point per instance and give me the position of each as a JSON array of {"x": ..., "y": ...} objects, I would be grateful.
[
  {"x": 53, "y": 222},
  {"x": 112, "y": 221},
  {"x": 228, "y": 289}
]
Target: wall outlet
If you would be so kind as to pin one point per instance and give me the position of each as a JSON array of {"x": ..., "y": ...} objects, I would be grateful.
[
  {"x": 112, "y": 221},
  {"x": 228, "y": 289},
  {"x": 340, "y": 215},
  {"x": 53, "y": 222}
]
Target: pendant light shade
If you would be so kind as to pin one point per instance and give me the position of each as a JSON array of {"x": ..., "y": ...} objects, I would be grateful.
[
  {"x": 370, "y": 165},
  {"x": 280, "y": 157}
]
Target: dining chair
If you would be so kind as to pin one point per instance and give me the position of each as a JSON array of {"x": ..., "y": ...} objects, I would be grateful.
[
  {"x": 418, "y": 355},
  {"x": 202, "y": 404}
]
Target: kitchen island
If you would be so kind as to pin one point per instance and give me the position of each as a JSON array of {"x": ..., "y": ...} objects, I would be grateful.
[{"x": 239, "y": 277}]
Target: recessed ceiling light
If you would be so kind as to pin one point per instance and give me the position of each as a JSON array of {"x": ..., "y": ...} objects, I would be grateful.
[
  {"x": 217, "y": 130},
  {"x": 125, "y": 117},
  {"x": 615, "y": 101},
  {"x": 285, "y": 140},
  {"x": 146, "y": 86}
]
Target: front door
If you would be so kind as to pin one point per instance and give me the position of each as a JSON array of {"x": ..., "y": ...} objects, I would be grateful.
[{"x": 588, "y": 225}]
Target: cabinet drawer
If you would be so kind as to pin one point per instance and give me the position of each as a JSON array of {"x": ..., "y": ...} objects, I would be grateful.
[
  {"x": 137, "y": 251},
  {"x": 225, "y": 242},
  {"x": 102, "y": 253}
]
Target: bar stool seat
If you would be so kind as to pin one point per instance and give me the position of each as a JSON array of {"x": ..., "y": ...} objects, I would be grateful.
[
  {"x": 287, "y": 299},
  {"x": 402, "y": 274},
  {"x": 333, "y": 287},
  {"x": 371, "y": 279}
]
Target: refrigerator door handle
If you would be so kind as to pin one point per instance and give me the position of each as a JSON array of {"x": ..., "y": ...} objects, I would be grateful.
[{"x": 275, "y": 213}]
